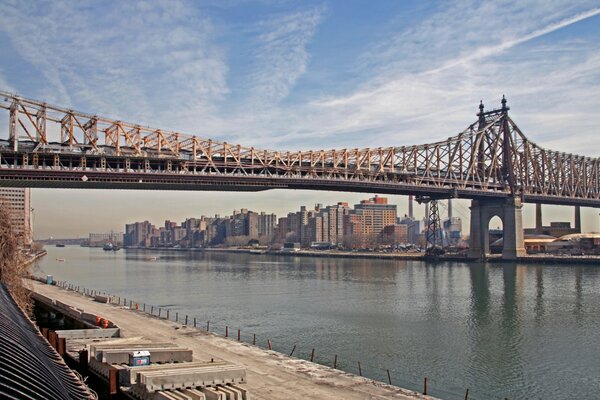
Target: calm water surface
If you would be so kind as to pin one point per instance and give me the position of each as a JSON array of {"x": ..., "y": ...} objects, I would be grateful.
[{"x": 517, "y": 331}]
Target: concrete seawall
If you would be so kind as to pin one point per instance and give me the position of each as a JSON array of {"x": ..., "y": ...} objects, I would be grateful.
[{"x": 271, "y": 375}]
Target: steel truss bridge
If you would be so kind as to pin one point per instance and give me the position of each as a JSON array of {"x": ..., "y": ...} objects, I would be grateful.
[{"x": 50, "y": 146}]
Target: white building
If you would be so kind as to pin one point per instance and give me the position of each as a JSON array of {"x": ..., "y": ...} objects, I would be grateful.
[{"x": 18, "y": 203}]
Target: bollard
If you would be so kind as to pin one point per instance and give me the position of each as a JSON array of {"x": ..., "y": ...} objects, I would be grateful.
[
  {"x": 239, "y": 334},
  {"x": 207, "y": 326},
  {"x": 269, "y": 343},
  {"x": 159, "y": 310},
  {"x": 292, "y": 353},
  {"x": 226, "y": 331},
  {"x": 194, "y": 322},
  {"x": 335, "y": 362},
  {"x": 359, "y": 369},
  {"x": 186, "y": 318},
  {"x": 312, "y": 355},
  {"x": 254, "y": 339},
  {"x": 151, "y": 310},
  {"x": 425, "y": 386},
  {"x": 177, "y": 316},
  {"x": 167, "y": 314},
  {"x": 389, "y": 377},
  {"x": 467, "y": 395}
]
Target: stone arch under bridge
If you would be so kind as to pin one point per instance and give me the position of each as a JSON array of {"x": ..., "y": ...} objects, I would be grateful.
[{"x": 510, "y": 212}]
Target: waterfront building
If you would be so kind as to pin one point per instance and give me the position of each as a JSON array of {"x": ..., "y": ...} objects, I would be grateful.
[
  {"x": 100, "y": 239},
  {"x": 395, "y": 234},
  {"x": 18, "y": 203},
  {"x": 266, "y": 224},
  {"x": 556, "y": 229},
  {"x": 414, "y": 228},
  {"x": 137, "y": 233},
  {"x": 453, "y": 229},
  {"x": 364, "y": 225}
]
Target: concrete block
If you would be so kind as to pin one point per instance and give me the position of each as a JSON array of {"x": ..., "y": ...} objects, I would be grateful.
[
  {"x": 243, "y": 392},
  {"x": 157, "y": 355},
  {"x": 102, "y": 299},
  {"x": 195, "y": 394},
  {"x": 89, "y": 333},
  {"x": 94, "y": 348},
  {"x": 166, "y": 379},
  {"x": 213, "y": 394},
  {"x": 129, "y": 374},
  {"x": 230, "y": 394}
]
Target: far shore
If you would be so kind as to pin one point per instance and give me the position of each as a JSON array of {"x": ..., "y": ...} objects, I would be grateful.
[{"x": 408, "y": 256}]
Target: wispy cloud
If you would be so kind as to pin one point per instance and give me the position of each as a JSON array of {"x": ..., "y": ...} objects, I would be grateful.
[
  {"x": 281, "y": 56},
  {"x": 140, "y": 59}
]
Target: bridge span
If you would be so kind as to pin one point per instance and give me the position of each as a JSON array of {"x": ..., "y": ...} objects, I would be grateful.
[{"x": 491, "y": 162}]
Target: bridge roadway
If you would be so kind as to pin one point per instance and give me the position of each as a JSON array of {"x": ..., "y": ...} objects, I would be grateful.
[
  {"x": 271, "y": 375},
  {"x": 51, "y": 177}
]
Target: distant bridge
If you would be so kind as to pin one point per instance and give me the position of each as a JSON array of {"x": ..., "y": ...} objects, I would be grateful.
[{"x": 490, "y": 161}]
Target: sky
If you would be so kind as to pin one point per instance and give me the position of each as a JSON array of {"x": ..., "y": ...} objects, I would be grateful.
[{"x": 300, "y": 75}]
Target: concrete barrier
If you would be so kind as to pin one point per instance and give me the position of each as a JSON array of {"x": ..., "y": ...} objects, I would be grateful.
[
  {"x": 89, "y": 333},
  {"x": 102, "y": 299},
  {"x": 157, "y": 355},
  {"x": 166, "y": 379},
  {"x": 96, "y": 347}
]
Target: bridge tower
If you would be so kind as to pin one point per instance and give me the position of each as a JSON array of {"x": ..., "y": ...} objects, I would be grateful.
[{"x": 508, "y": 209}]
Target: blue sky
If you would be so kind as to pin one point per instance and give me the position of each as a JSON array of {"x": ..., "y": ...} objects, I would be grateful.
[{"x": 299, "y": 75}]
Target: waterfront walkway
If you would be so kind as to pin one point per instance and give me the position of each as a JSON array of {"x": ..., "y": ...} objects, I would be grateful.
[{"x": 270, "y": 375}]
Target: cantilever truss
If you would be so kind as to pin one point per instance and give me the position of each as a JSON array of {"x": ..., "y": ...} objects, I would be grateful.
[{"x": 491, "y": 155}]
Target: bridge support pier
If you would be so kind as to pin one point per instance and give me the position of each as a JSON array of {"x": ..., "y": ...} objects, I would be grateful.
[{"x": 510, "y": 212}]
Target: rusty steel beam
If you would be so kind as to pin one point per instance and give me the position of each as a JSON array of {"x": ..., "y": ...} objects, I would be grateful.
[{"x": 491, "y": 155}]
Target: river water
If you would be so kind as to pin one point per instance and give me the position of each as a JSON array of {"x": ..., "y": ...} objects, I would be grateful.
[{"x": 514, "y": 330}]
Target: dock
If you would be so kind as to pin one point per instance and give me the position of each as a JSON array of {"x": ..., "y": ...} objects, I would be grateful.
[{"x": 268, "y": 374}]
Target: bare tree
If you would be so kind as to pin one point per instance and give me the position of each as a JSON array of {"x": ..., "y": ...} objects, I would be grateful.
[{"x": 13, "y": 267}]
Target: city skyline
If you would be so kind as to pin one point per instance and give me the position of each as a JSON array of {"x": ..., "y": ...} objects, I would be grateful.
[
  {"x": 316, "y": 74},
  {"x": 590, "y": 219}
]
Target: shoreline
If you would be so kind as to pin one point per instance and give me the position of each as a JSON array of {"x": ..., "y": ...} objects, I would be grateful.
[{"x": 535, "y": 259}]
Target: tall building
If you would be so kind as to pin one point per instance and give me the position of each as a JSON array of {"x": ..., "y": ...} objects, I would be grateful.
[
  {"x": 368, "y": 219},
  {"x": 18, "y": 203}
]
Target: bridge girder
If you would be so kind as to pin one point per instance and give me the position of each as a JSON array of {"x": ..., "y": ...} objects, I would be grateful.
[{"x": 491, "y": 157}]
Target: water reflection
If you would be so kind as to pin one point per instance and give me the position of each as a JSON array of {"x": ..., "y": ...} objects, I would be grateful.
[{"x": 509, "y": 330}]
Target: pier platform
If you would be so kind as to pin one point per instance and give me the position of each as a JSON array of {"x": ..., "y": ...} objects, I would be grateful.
[{"x": 269, "y": 374}]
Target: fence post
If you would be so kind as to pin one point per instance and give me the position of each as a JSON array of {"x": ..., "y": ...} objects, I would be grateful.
[
  {"x": 239, "y": 334},
  {"x": 186, "y": 318},
  {"x": 335, "y": 362},
  {"x": 467, "y": 395},
  {"x": 359, "y": 369},
  {"x": 167, "y": 314},
  {"x": 269, "y": 343},
  {"x": 254, "y": 339},
  {"x": 194, "y": 322},
  {"x": 226, "y": 331},
  {"x": 312, "y": 355},
  {"x": 207, "y": 326},
  {"x": 292, "y": 353},
  {"x": 177, "y": 316},
  {"x": 389, "y": 377},
  {"x": 425, "y": 386}
]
